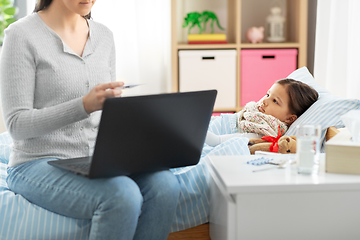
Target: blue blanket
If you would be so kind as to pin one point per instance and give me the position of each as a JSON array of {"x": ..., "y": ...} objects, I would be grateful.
[{"x": 20, "y": 219}]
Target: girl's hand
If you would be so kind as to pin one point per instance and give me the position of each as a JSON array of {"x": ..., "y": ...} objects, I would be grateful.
[{"x": 94, "y": 100}]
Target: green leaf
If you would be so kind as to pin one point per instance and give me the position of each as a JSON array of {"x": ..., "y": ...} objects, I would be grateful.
[
  {"x": 6, "y": 2},
  {"x": 2, "y": 25},
  {"x": 10, "y": 21},
  {"x": 10, "y": 11}
]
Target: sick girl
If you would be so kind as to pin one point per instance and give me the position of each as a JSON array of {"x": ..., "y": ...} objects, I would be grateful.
[{"x": 284, "y": 102}]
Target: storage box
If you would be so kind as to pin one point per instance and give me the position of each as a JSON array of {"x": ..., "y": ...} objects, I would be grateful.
[
  {"x": 260, "y": 68},
  {"x": 210, "y": 69},
  {"x": 342, "y": 154}
]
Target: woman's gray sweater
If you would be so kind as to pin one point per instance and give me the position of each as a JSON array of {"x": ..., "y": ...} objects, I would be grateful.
[{"x": 42, "y": 85}]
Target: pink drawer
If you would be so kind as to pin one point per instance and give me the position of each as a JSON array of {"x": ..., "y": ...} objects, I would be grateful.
[
  {"x": 260, "y": 68},
  {"x": 215, "y": 114}
]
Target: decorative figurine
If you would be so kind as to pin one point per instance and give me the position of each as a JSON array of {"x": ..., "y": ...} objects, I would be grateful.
[
  {"x": 196, "y": 19},
  {"x": 276, "y": 24},
  {"x": 255, "y": 34},
  {"x": 192, "y": 19},
  {"x": 206, "y": 16}
]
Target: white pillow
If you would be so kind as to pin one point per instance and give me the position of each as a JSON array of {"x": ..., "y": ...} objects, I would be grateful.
[{"x": 327, "y": 110}]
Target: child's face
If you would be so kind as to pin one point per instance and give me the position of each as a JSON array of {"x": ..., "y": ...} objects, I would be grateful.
[{"x": 276, "y": 104}]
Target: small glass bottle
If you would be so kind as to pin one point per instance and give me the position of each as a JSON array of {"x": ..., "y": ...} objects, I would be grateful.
[{"x": 308, "y": 148}]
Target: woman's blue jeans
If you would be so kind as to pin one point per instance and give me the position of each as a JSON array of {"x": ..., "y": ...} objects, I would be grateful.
[{"x": 141, "y": 206}]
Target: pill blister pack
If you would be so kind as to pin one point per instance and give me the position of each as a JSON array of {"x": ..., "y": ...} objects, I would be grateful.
[
  {"x": 265, "y": 160},
  {"x": 259, "y": 161}
]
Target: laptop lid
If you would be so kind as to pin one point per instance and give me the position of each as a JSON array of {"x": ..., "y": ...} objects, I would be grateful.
[{"x": 152, "y": 132}]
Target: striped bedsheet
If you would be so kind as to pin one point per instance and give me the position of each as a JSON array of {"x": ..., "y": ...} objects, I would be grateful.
[{"x": 20, "y": 219}]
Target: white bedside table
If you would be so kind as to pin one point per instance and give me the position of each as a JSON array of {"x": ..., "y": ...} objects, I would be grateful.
[{"x": 280, "y": 203}]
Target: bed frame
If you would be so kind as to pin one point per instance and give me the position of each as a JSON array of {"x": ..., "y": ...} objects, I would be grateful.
[{"x": 201, "y": 232}]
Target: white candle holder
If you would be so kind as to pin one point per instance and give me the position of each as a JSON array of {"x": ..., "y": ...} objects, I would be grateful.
[{"x": 276, "y": 24}]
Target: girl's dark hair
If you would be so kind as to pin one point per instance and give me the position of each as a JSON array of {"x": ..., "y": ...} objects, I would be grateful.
[
  {"x": 301, "y": 95},
  {"x": 42, "y": 4}
]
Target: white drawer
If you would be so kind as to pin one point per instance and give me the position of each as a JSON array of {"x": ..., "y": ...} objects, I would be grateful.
[{"x": 209, "y": 69}]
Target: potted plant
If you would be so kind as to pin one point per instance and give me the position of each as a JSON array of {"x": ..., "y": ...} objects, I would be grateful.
[{"x": 7, "y": 12}]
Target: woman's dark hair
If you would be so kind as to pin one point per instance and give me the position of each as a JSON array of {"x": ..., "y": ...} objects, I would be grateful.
[
  {"x": 301, "y": 95},
  {"x": 42, "y": 4}
]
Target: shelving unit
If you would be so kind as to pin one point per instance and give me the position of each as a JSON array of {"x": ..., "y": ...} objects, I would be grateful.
[{"x": 236, "y": 16}]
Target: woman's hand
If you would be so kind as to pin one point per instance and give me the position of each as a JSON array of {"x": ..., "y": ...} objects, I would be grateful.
[{"x": 94, "y": 100}]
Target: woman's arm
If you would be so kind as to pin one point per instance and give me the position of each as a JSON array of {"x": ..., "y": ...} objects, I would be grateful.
[{"x": 17, "y": 79}]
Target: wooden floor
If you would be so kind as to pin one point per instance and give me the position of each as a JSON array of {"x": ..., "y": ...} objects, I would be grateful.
[{"x": 199, "y": 233}]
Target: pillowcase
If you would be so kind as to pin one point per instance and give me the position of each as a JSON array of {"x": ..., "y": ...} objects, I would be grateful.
[
  {"x": 5, "y": 147},
  {"x": 326, "y": 111}
]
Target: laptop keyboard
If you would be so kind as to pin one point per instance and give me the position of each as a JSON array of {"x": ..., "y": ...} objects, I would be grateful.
[{"x": 80, "y": 167}]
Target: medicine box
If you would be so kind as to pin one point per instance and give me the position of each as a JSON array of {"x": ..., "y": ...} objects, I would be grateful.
[
  {"x": 260, "y": 68},
  {"x": 210, "y": 69}
]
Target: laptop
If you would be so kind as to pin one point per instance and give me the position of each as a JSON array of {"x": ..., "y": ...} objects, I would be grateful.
[{"x": 147, "y": 133}]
